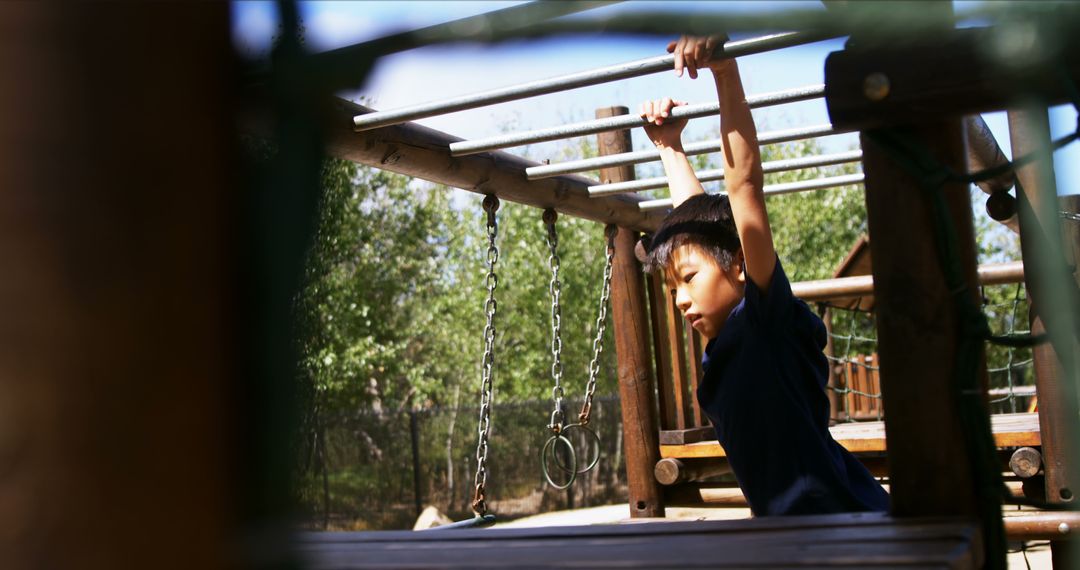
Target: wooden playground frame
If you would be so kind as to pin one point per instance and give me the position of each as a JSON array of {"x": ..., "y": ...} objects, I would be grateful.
[
  {"x": 144, "y": 372},
  {"x": 658, "y": 355}
]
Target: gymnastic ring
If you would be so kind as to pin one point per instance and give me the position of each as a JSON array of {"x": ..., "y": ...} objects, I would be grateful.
[
  {"x": 549, "y": 448},
  {"x": 596, "y": 456}
]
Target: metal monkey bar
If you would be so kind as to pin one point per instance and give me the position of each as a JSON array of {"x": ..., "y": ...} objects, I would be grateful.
[
  {"x": 718, "y": 173},
  {"x": 628, "y": 121},
  {"x": 573, "y": 81}
]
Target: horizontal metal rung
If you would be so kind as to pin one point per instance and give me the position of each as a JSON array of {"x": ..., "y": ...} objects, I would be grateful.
[
  {"x": 571, "y": 81},
  {"x": 627, "y": 122},
  {"x": 718, "y": 173},
  {"x": 692, "y": 149},
  {"x": 774, "y": 189}
]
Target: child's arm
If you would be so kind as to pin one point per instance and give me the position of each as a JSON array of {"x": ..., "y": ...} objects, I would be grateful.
[
  {"x": 743, "y": 178},
  {"x": 666, "y": 135}
]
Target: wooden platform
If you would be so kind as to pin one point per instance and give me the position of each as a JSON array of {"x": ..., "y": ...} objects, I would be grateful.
[
  {"x": 1010, "y": 430},
  {"x": 849, "y": 540}
]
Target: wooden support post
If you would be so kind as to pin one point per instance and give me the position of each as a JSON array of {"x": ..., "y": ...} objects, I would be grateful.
[
  {"x": 630, "y": 319},
  {"x": 917, "y": 326},
  {"x": 1029, "y": 131},
  {"x": 119, "y": 351}
]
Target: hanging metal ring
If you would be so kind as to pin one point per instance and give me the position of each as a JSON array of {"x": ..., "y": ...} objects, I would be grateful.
[
  {"x": 596, "y": 456},
  {"x": 549, "y": 449}
]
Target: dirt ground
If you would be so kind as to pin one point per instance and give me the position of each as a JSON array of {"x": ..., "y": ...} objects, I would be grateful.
[{"x": 1037, "y": 554}]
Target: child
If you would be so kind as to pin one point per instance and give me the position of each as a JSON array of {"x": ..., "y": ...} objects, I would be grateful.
[{"x": 765, "y": 372}]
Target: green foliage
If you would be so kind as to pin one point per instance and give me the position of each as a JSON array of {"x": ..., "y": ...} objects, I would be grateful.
[{"x": 372, "y": 274}]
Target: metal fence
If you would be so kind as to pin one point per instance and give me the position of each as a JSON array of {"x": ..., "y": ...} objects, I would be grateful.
[{"x": 377, "y": 471}]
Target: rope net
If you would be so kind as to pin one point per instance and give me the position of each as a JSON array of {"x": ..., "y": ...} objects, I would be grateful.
[{"x": 854, "y": 370}]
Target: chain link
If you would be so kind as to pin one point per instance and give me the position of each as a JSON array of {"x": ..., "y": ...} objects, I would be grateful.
[
  {"x": 1071, "y": 216},
  {"x": 558, "y": 415},
  {"x": 601, "y": 325},
  {"x": 479, "y": 504}
]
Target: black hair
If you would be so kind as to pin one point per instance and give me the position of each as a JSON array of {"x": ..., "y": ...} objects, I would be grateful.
[{"x": 703, "y": 220}]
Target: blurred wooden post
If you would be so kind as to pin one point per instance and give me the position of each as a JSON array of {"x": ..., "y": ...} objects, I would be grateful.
[
  {"x": 1029, "y": 132},
  {"x": 630, "y": 320},
  {"x": 119, "y": 353},
  {"x": 916, "y": 311}
]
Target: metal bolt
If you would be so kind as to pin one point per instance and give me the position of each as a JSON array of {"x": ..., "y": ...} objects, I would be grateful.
[
  {"x": 876, "y": 86},
  {"x": 1063, "y": 528}
]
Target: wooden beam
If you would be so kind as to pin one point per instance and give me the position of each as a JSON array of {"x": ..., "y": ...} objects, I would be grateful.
[
  {"x": 630, "y": 321},
  {"x": 959, "y": 72},
  {"x": 420, "y": 152},
  {"x": 1010, "y": 430},
  {"x": 847, "y": 288}
]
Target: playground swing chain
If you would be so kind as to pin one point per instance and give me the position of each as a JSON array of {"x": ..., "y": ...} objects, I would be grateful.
[
  {"x": 558, "y": 425},
  {"x": 479, "y": 503}
]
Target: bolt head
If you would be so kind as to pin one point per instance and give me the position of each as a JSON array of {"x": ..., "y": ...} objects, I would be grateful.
[
  {"x": 1063, "y": 528},
  {"x": 1001, "y": 206},
  {"x": 876, "y": 86}
]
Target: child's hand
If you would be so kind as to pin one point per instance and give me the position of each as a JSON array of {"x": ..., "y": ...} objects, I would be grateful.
[
  {"x": 695, "y": 52},
  {"x": 661, "y": 129}
]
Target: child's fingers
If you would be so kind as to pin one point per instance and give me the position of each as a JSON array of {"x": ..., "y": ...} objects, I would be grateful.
[
  {"x": 671, "y": 45},
  {"x": 678, "y": 52},
  {"x": 665, "y": 106},
  {"x": 690, "y": 58},
  {"x": 657, "y": 116}
]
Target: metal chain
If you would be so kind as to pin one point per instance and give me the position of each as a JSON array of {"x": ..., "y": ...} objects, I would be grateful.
[
  {"x": 1071, "y": 216},
  {"x": 479, "y": 504},
  {"x": 558, "y": 415},
  {"x": 601, "y": 324}
]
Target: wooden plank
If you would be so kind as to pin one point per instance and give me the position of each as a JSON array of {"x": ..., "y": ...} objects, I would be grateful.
[
  {"x": 874, "y": 386},
  {"x": 679, "y": 368},
  {"x": 630, "y": 321},
  {"x": 833, "y": 382},
  {"x": 861, "y": 385},
  {"x": 696, "y": 373},
  {"x": 862, "y": 539},
  {"x": 684, "y": 436},
  {"x": 1010, "y": 430},
  {"x": 665, "y": 392}
]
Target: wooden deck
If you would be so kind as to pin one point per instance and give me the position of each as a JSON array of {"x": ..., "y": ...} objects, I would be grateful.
[
  {"x": 849, "y": 540},
  {"x": 1010, "y": 430}
]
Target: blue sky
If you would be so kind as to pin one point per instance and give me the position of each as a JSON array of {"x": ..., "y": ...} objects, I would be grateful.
[{"x": 439, "y": 72}]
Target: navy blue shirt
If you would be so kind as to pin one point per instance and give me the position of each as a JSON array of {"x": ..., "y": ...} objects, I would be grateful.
[{"x": 764, "y": 390}]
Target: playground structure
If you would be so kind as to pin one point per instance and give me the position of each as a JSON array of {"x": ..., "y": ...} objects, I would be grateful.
[
  {"x": 659, "y": 355},
  {"x": 115, "y": 330}
]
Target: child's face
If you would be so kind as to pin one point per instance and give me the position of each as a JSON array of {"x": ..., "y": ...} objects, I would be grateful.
[{"x": 704, "y": 291}]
